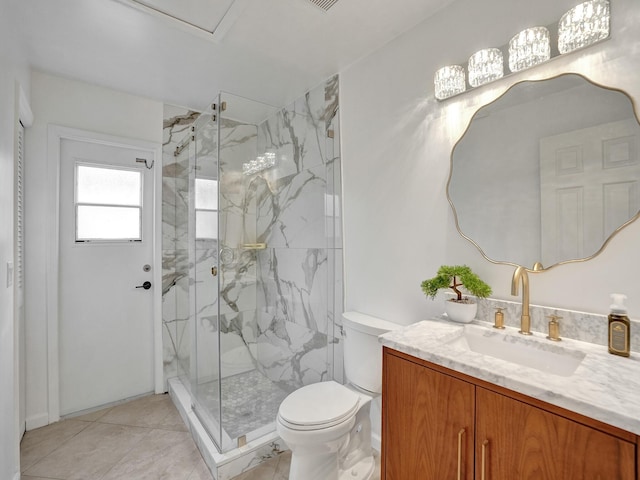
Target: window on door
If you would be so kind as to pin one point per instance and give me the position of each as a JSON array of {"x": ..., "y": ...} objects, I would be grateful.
[
  {"x": 108, "y": 204},
  {"x": 206, "y": 202}
]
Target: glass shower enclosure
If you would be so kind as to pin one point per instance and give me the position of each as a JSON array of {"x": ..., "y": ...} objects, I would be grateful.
[
  {"x": 233, "y": 399},
  {"x": 258, "y": 304}
]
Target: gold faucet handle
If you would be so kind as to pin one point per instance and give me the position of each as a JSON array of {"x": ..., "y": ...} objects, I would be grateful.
[
  {"x": 554, "y": 328},
  {"x": 498, "y": 320}
]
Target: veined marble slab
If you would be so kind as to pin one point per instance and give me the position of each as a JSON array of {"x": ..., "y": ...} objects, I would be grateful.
[
  {"x": 583, "y": 326},
  {"x": 604, "y": 387}
]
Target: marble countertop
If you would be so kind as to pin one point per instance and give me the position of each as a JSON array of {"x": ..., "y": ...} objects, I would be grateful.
[{"x": 604, "y": 387}]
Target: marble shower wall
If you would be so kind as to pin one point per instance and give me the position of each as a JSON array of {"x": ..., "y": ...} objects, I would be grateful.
[
  {"x": 298, "y": 216},
  {"x": 280, "y": 308},
  {"x": 237, "y": 265},
  {"x": 175, "y": 256}
]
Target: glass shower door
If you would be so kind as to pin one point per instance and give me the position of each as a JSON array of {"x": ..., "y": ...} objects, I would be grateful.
[
  {"x": 249, "y": 398},
  {"x": 203, "y": 233},
  {"x": 234, "y": 400},
  {"x": 264, "y": 262}
]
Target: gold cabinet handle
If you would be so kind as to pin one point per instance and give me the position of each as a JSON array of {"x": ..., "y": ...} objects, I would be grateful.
[
  {"x": 485, "y": 445},
  {"x": 460, "y": 434}
]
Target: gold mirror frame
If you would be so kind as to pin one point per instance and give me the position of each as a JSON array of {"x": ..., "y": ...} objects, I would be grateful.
[{"x": 537, "y": 267}]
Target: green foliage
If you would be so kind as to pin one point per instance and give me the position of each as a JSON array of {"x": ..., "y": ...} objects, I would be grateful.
[{"x": 453, "y": 277}]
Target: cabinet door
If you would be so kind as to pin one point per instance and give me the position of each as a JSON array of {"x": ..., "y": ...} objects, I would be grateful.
[
  {"x": 428, "y": 430},
  {"x": 524, "y": 442}
]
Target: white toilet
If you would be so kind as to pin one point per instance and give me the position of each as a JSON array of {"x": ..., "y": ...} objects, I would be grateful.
[{"x": 326, "y": 425}]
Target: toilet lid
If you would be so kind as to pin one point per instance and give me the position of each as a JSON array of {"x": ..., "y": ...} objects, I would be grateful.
[{"x": 319, "y": 405}]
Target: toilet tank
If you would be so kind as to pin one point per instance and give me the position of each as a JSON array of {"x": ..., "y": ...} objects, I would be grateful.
[{"x": 362, "y": 351}]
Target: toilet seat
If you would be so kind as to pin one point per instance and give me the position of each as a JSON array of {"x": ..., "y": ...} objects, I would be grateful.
[{"x": 317, "y": 406}]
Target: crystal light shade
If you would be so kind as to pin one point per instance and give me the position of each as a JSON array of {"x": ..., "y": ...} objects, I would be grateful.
[
  {"x": 485, "y": 66},
  {"x": 261, "y": 162},
  {"x": 449, "y": 81},
  {"x": 583, "y": 25},
  {"x": 528, "y": 48}
]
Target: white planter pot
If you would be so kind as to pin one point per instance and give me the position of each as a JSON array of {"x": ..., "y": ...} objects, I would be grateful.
[{"x": 460, "y": 312}]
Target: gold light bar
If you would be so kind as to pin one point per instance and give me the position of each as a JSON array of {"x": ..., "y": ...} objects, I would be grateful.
[{"x": 254, "y": 246}]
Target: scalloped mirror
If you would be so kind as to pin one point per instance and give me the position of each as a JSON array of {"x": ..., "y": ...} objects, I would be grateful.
[{"x": 547, "y": 173}]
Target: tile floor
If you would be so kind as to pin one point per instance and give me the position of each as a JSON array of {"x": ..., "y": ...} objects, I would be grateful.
[{"x": 144, "y": 439}]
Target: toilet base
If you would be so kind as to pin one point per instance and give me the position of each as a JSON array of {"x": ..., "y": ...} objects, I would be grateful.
[
  {"x": 360, "y": 471},
  {"x": 314, "y": 467},
  {"x": 324, "y": 467}
]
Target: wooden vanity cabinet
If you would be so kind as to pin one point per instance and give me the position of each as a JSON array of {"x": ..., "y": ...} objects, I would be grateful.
[
  {"x": 439, "y": 424},
  {"x": 527, "y": 442},
  {"x": 428, "y": 423}
]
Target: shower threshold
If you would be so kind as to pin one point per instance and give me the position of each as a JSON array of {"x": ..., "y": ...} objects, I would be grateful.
[{"x": 223, "y": 466}]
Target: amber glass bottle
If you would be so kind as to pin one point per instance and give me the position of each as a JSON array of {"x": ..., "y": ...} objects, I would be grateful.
[{"x": 619, "y": 327}]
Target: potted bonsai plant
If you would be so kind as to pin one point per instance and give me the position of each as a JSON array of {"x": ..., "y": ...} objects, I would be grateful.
[{"x": 459, "y": 308}]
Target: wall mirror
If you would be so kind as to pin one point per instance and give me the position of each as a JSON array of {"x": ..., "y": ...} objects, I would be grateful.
[{"x": 548, "y": 172}]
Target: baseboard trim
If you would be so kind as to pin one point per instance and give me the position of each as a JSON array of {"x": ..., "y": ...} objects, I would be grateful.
[{"x": 37, "y": 421}]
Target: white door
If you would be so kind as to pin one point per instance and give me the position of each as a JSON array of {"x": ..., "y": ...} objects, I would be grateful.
[
  {"x": 589, "y": 188},
  {"x": 106, "y": 251}
]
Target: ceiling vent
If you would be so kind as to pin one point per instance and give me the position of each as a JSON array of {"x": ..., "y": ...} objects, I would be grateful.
[{"x": 324, "y": 4}]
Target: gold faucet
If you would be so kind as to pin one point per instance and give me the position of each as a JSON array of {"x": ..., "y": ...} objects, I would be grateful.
[{"x": 525, "y": 320}]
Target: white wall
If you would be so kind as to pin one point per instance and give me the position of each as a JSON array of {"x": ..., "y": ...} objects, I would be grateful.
[
  {"x": 69, "y": 103},
  {"x": 13, "y": 73},
  {"x": 396, "y": 144}
]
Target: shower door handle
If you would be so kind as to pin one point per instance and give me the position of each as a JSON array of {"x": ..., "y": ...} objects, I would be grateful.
[{"x": 146, "y": 285}]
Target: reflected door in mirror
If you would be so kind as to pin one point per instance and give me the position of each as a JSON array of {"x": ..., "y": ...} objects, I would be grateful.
[
  {"x": 547, "y": 172},
  {"x": 589, "y": 188}
]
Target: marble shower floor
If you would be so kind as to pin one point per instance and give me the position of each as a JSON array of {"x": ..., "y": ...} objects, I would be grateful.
[
  {"x": 249, "y": 401},
  {"x": 141, "y": 439}
]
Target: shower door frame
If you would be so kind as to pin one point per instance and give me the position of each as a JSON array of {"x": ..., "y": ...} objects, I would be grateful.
[{"x": 209, "y": 417}]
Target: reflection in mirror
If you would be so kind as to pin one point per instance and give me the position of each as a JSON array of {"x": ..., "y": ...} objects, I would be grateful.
[{"x": 548, "y": 172}]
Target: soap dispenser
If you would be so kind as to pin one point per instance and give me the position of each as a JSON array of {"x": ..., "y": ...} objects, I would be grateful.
[
  {"x": 554, "y": 328},
  {"x": 619, "y": 327}
]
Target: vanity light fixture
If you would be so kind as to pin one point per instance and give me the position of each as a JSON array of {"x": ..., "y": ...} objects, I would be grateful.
[
  {"x": 528, "y": 48},
  {"x": 485, "y": 66},
  {"x": 449, "y": 81},
  {"x": 583, "y": 25}
]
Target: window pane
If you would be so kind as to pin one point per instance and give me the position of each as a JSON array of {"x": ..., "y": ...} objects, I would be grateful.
[
  {"x": 108, "y": 223},
  {"x": 206, "y": 194},
  {"x": 108, "y": 186},
  {"x": 206, "y": 224}
]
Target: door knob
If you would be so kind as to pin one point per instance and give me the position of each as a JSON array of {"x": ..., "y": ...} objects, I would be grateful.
[{"x": 146, "y": 285}]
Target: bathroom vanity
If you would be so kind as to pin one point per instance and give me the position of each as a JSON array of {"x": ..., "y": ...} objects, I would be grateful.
[
  {"x": 452, "y": 411},
  {"x": 543, "y": 175}
]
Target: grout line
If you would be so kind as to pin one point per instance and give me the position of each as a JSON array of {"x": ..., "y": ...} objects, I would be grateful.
[
  {"x": 64, "y": 442},
  {"x": 117, "y": 462},
  {"x": 92, "y": 424}
]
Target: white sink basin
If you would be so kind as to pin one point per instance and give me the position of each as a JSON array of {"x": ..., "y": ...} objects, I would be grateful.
[{"x": 522, "y": 350}]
